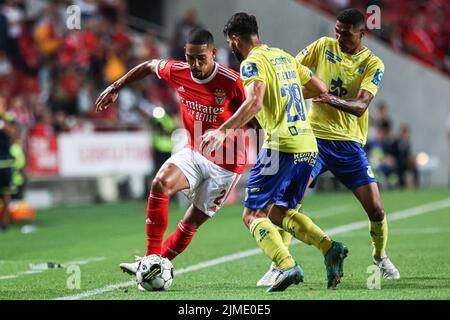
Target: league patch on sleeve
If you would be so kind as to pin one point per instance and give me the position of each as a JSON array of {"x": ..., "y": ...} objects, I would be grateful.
[
  {"x": 377, "y": 77},
  {"x": 162, "y": 64},
  {"x": 249, "y": 70}
]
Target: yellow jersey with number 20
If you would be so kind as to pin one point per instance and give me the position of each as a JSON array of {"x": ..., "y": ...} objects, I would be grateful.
[
  {"x": 344, "y": 75},
  {"x": 283, "y": 116}
]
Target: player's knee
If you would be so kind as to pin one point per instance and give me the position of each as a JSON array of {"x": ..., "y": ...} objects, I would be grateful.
[
  {"x": 249, "y": 215},
  {"x": 161, "y": 186},
  {"x": 247, "y": 218},
  {"x": 377, "y": 212}
]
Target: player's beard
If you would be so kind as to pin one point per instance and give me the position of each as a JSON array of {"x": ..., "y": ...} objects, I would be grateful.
[{"x": 237, "y": 54}]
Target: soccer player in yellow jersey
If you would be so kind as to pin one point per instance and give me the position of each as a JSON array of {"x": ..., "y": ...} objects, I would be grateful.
[
  {"x": 273, "y": 82},
  {"x": 339, "y": 118}
]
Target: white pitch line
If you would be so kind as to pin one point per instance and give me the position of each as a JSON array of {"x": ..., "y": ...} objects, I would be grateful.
[
  {"x": 330, "y": 211},
  {"x": 403, "y": 214},
  {"x": 9, "y": 276},
  {"x": 403, "y": 232}
]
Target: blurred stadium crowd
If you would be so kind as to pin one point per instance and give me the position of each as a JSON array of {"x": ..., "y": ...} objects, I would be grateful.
[
  {"x": 50, "y": 75},
  {"x": 418, "y": 28}
]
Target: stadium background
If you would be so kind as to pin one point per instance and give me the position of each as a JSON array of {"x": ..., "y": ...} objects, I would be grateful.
[{"x": 51, "y": 75}]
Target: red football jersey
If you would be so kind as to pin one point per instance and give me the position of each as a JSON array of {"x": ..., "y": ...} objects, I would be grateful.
[{"x": 206, "y": 104}]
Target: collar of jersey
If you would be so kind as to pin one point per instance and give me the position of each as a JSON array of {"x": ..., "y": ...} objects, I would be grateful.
[
  {"x": 211, "y": 76},
  {"x": 262, "y": 45},
  {"x": 351, "y": 56}
]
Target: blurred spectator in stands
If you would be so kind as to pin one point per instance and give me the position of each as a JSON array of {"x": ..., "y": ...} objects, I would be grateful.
[
  {"x": 418, "y": 43},
  {"x": 78, "y": 124},
  {"x": 43, "y": 123},
  {"x": 404, "y": 160},
  {"x": 112, "y": 10},
  {"x": 380, "y": 150},
  {"x": 381, "y": 118},
  {"x": 18, "y": 169},
  {"x": 64, "y": 95},
  {"x": 389, "y": 164},
  {"x": 182, "y": 29},
  {"x": 29, "y": 51},
  {"x": 14, "y": 14},
  {"x": 4, "y": 37},
  {"x": 59, "y": 123},
  {"x": 6, "y": 69},
  {"x": 16, "y": 152},
  {"x": 48, "y": 34},
  {"x": 86, "y": 96},
  {"x": 162, "y": 125},
  {"x": 118, "y": 54},
  {"x": 88, "y": 8},
  {"x": 419, "y": 28},
  {"x": 23, "y": 116},
  {"x": 150, "y": 46},
  {"x": 6, "y": 163}
]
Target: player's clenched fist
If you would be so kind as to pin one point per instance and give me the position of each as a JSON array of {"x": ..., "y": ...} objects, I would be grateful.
[
  {"x": 212, "y": 140},
  {"x": 106, "y": 98}
]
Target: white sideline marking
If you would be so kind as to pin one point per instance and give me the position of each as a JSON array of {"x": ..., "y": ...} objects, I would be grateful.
[
  {"x": 10, "y": 276},
  {"x": 401, "y": 232},
  {"x": 403, "y": 214},
  {"x": 330, "y": 211},
  {"x": 34, "y": 271}
]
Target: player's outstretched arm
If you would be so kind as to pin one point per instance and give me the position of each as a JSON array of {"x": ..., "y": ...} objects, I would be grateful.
[
  {"x": 313, "y": 87},
  {"x": 110, "y": 94},
  {"x": 356, "y": 106},
  {"x": 254, "y": 96}
]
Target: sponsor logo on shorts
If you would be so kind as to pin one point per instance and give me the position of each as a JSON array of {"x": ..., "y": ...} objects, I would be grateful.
[{"x": 370, "y": 172}]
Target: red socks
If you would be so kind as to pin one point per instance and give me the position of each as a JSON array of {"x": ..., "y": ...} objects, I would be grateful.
[
  {"x": 178, "y": 241},
  {"x": 156, "y": 221}
]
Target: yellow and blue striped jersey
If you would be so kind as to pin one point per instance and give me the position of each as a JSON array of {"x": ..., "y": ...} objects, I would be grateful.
[
  {"x": 344, "y": 75},
  {"x": 283, "y": 116}
]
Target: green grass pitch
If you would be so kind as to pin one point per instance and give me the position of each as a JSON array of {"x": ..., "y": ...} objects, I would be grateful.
[{"x": 99, "y": 237}]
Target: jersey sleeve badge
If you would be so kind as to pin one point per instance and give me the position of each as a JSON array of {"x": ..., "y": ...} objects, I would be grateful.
[
  {"x": 377, "y": 77},
  {"x": 162, "y": 64},
  {"x": 249, "y": 70}
]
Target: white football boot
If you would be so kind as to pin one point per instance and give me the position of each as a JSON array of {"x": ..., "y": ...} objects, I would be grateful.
[
  {"x": 131, "y": 268},
  {"x": 269, "y": 277},
  {"x": 387, "y": 268}
]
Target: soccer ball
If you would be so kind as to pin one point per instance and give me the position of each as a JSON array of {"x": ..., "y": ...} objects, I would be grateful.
[{"x": 154, "y": 273}]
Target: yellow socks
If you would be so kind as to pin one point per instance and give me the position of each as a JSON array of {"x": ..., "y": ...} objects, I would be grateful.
[
  {"x": 269, "y": 240},
  {"x": 379, "y": 234},
  {"x": 302, "y": 227},
  {"x": 286, "y": 236}
]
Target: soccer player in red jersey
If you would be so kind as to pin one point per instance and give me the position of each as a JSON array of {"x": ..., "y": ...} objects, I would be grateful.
[{"x": 209, "y": 94}]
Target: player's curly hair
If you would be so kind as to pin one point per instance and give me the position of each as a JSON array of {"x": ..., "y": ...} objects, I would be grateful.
[
  {"x": 351, "y": 16},
  {"x": 241, "y": 24}
]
